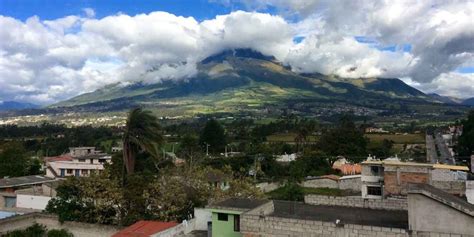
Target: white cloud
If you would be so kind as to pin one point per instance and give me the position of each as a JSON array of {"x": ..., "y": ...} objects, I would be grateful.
[
  {"x": 90, "y": 13},
  {"x": 47, "y": 61}
]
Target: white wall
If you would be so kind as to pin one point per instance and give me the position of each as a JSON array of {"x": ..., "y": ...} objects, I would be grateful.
[
  {"x": 202, "y": 216},
  {"x": 32, "y": 202}
]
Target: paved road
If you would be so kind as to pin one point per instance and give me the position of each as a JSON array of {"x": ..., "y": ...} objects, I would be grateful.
[
  {"x": 445, "y": 155},
  {"x": 431, "y": 154}
]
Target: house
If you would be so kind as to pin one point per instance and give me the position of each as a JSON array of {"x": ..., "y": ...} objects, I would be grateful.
[
  {"x": 345, "y": 167},
  {"x": 145, "y": 229},
  {"x": 375, "y": 130},
  {"x": 286, "y": 157},
  {"x": 80, "y": 161},
  {"x": 390, "y": 177},
  {"x": 226, "y": 215},
  {"x": 27, "y": 192},
  {"x": 339, "y": 216},
  {"x": 218, "y": 179}
]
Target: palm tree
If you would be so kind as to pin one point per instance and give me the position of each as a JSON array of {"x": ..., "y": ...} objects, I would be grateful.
[{"x": 142, "y": 133}]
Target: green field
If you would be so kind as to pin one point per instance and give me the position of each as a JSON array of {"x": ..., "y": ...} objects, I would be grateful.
[
  {"x": 288, "y": 137},
  {"x": 397, "y": 138}
]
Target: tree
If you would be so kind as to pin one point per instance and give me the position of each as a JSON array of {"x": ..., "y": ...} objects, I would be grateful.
[
  {"x": 142, "y": 133},
  {"x": 94, "y": 199},
  {"x": 383, "y": 150},
  {"x": 345, "y": 140},
  {"x": 465, "y": 146},
  {"x": 213, "y": 135},
  {"x": 291, "y": 191},
  {"x": 13, "y": 160},
  {"x": 189, "y": 148}
]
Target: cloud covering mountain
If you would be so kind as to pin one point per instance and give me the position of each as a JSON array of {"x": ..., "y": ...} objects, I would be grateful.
[{"x": 423, "y": 42}]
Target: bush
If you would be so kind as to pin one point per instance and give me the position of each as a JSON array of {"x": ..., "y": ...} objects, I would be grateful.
[
  {"x": 291, "y": 191},
  {"x": 60, "y": 233},
  {"x": 35, "y": 230},
  {"x": 38, "y": 230}
]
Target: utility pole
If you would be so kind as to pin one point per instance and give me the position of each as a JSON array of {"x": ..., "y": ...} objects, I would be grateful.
[
  {"x": 207, "y": 149},
  {"x": 225, "y": 153}
]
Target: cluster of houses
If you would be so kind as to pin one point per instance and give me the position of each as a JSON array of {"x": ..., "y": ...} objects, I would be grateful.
[{"x": 388, "y": 198}]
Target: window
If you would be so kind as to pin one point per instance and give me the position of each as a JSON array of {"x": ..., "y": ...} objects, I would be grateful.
[
  {"x": 101, "y": 161},
  {"x": 375, "y": 191},
  {"x": 82, "y": 160},
  {"x": 222, "y": 217},
  {"x": 236, "y": 223},
  {"x": 69, "y": 171},
  {"x": 376, "y": 170},
  {"x": 92, "y": 161},
  {"x": 85, "y": 172},
  {"x": 62, "y": 172}
]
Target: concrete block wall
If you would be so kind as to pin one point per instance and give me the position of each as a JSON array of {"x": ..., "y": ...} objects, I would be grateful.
[
  {"x": 457, "y": 187},
  {"x": 254, "y": 225},
  {"x": 320, "y": 183},
  {"x": 350, "y": 183},
  {"x": 356, "y": 201}
]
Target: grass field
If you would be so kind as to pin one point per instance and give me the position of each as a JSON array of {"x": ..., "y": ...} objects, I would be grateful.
[
  {"x": 397, "y": 138},
  {"x": 288, "y": 137}
]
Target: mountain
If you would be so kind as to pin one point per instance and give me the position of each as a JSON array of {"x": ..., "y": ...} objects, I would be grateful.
[
  {"x": 469, "y": 101},
  {"x": 13, "y": 105},
  {"x": 444, "y": 99},
  {"x": 244, "y": 80}
]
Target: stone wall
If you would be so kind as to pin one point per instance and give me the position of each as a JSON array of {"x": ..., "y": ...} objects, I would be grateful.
[
  {"x": 356, "y": 201},
  {"x": 255, "y": 225},
  {"x": 52, "y": 222}
]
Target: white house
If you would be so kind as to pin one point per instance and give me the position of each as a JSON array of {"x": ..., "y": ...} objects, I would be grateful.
[{"x": 81, "y": 161}]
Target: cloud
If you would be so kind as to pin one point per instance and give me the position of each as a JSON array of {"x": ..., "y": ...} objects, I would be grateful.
[
  {"x": 453, "y": 84},
  {"x": 90, "y": 13},
  {"x": 47, "y": 61}
]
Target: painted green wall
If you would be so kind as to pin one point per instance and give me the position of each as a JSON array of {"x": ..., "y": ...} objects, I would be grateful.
[{"x": 224, "y": 228}]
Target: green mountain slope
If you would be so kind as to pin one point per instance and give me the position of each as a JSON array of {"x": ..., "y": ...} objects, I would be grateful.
[{"x": 246, "y": 81}]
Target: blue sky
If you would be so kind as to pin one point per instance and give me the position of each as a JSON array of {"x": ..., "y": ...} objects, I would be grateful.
[{"x": 53, "y": 9}]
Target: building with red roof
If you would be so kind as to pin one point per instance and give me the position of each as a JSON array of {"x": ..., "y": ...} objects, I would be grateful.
[{"x": 145, "y": 229}]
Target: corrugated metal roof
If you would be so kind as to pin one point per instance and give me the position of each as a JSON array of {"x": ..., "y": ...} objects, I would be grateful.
[{"x": 24, "y": 180}]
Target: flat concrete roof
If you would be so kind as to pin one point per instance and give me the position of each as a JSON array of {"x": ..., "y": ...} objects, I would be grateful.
[
  {"x": 24, "y": 180},
  {"x": 346, "y": 215},
  {"x": 238, "y": 203}
]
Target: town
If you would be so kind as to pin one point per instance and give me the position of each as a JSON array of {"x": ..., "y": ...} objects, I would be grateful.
[
  {"x": 236, "y": 118},
  {"x": 288, "y": 177}
]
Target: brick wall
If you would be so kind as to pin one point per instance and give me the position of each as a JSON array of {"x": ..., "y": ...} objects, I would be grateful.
[
  {"x": 356, "y": 201},
  {"x": 254, "y": 225},
  {"x": 395, "y": 187}
]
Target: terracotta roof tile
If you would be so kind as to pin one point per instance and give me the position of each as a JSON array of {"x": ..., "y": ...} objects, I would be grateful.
[
  {"x": 144, "y": 229},
  {"x": 66, "y": 157}
]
